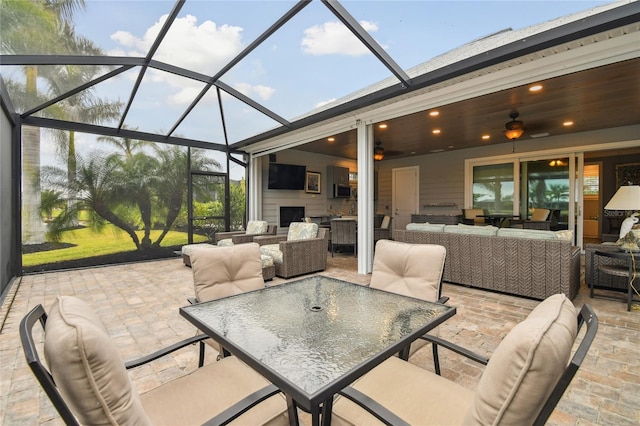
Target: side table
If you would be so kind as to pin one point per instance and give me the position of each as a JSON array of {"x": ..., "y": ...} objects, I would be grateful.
[{"x": 628, "y": 272}]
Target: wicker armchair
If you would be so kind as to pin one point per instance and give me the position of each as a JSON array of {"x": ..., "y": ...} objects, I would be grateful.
[
  {"x": 241, "y": 237},
  {"x": 296, "y": 257}
]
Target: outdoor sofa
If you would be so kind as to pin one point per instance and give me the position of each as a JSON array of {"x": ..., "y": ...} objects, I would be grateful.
[{"x": 522, "y": 262}]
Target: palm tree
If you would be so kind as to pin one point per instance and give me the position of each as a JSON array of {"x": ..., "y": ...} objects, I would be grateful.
[
  {"x": 50, "y": 200},
  {"x": 99, "y": 187},
  {"x": 172, "y": 182},
  {"x": 34, "y": 26},
  {"x": 82, "y": 107}
]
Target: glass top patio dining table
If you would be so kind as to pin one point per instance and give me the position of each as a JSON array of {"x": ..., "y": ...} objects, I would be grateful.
[{"x": 314, "y": 336}]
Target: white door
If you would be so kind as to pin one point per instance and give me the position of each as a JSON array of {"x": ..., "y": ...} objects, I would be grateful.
[{"x": 405, "y": 195}]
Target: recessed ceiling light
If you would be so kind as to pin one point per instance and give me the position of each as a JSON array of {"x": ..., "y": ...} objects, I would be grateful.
[
  {"x": 331, "y": 139},
  {"x": 436, "y": 131},
  {"x": 434, "y": 113},
  {"x": 382, "y": 126},
  {"x": 567, "y": 123},
  {"x": 450, "y": 147},
  {"x": 486, "y": 137},
  {"x": 413, "y": 152},
  {"x": 535, "y": 88},
  {"x": 437, "y": 150}
]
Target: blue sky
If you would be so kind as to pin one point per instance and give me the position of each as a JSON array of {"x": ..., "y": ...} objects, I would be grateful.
[{"x": 311, "y": 61}]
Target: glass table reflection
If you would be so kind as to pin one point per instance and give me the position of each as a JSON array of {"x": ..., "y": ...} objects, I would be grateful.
[{"x": 314, "y": 336}]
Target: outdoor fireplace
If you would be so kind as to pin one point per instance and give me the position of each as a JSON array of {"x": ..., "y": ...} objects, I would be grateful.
[{"x": 290, "y": 214}]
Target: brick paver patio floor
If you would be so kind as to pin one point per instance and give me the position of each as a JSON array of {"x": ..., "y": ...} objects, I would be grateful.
[{"x": 139, "y": 305}]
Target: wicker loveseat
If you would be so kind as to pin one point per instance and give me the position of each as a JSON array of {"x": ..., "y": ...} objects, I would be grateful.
[{"x": 535, "y": 266}]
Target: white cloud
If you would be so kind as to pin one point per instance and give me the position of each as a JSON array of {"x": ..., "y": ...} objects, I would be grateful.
[
  {"x": 264, "y": 92},
  {"x": 203, "y": 48},
  {"x": 333, "y": 38}
]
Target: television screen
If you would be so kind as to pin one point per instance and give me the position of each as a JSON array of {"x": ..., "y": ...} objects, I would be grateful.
[{"x": 286, "y": 176}]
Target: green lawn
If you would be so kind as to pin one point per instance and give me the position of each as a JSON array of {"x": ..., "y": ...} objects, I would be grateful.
[{"x": 89, "y": 244}]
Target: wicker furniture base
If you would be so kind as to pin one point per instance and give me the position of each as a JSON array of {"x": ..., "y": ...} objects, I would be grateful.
[
  {"x": 593, "y": 263},
  {"x": 532, "y": 268}
]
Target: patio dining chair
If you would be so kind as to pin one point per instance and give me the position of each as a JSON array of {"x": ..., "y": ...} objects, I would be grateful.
[
  {"x": 222, "y": 272},
  {"x": 413, "y": 270},
  {"x": 88, "y": 383},
  {"x": 521, "y": 384},
  {"x": 344, "y": 233}
]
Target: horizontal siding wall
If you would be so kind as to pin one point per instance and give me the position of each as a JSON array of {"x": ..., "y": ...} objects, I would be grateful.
[
  {"x": 314, "y": 204},
  {"x": 441, "y": 174}
]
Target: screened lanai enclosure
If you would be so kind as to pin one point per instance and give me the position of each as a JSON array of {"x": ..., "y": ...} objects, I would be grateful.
[{"x": 131, "y": 128}]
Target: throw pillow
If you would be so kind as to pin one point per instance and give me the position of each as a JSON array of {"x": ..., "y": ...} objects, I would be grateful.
[
  {"x": 302, "y": 231},
  {"x": 257, "y": 227}
]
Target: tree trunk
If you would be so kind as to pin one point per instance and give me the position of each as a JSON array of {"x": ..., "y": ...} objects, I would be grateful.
[{"x": 33, "y": 229}]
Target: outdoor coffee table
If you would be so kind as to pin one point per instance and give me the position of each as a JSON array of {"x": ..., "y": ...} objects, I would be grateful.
[{"x": 314, "y": 336}]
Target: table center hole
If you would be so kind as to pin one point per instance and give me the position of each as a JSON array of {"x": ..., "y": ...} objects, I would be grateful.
[{"x": 316, "y": 308}]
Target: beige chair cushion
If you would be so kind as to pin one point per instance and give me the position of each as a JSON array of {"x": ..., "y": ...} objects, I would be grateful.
[
  {"x": 302, "y": 231},
  {"x": 385, "y": 222},
  {"x": 418, "y": 396},
  {"x": 226, "y": 271},
  {"x": 526, "y": 365},
  {"x": 472, "y": 213},
  {"x": 87, "y": 367},
  {"x": 409, "y": 269},
  {"x": 257, "y": 227},
  {"x": 512, "y": 390},
  {"x": 208, "y": 390},
  {"x": 540, "y": 215}
]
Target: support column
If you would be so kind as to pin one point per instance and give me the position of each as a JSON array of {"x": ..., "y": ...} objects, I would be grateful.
[{"x": 365, "y": 197}]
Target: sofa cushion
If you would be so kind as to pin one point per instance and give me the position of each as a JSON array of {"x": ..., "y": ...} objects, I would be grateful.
[
  {"x": 526, "y": 365},
  {"x": 302, "y": 231},
  {"x": 565, "y": 234},
  {"x": 225, "y": 242},
  {"x": 537, "y": 234},
  {"x": 257, "y": 227},
  {"x": 471, "y": 229},
  {"x": 87, "y": 367},
  {"x": 273, "y": 251},
  {"x": 186, "y": 249},
  {"x": 425, "y": 227}
]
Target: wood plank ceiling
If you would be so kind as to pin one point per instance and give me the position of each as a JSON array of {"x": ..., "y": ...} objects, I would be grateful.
[{"x": 594, "y": 99}]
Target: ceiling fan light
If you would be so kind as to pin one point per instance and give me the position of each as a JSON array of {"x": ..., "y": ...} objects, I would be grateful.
[
  {"x": 515, "y": 128},
  {"x": 378, "y": 152}
]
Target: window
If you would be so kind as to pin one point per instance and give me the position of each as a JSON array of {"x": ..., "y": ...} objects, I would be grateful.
[{"x": 493, "y": 188}]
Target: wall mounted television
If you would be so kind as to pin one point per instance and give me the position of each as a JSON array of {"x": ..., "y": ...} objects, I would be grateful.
[{"x": 286, "y": 176}]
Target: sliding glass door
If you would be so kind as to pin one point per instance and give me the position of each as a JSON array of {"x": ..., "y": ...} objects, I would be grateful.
[
  {"x": 544, "y": 184},
  {"x": 518, "y": 185}
]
